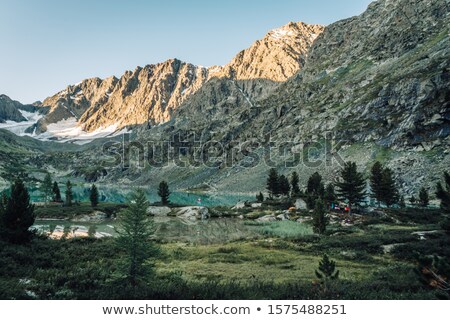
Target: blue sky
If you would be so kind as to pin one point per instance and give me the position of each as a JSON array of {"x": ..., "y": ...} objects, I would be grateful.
[{"x": 49, "y": 44}]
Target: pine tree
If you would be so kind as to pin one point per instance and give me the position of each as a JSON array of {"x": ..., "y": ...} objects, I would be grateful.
[
  {"x": 320, "y": 220},
  {"x": 330, "y": 195},
  {"x": 69, "y": 194},
  {"x": 376, "y": 178},
  {"x": 56, "y": 192},
  {"x": 389, "y": 191},
  {"x": 402, "y": 203},
  {"x": 272, "y": 183},
  {"x": 314, "y": 190},
  {"x": 47, "y": 188},
  {"x": 424, "y": 199},
  {"x": 443, "y": 193},
  {"x": 351, "y": 185},
  {"x": 295, "y": 188},
  {"x": 327, "y": 269},
  {"x": 412, "y": 200},
  {"x": 164, "y": 192},
  {"x": 260, "y": 197},
  {"x": 18, "y": 215},
  {"x": 3, "y": 203},
  {"x": 94, "y": 196},
  {"x": 284, "y": 186},
  {"x": 134, "y": 237}
]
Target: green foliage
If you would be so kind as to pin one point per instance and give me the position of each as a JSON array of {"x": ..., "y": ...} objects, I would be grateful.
[
  {"x": 320, "y": 219},
  {"x": 402, "y": 203},
  {"x": 412, "y": 200},
  {"x": 285, "y": 229},
  {"x": 56, "y": 192},
  {"x": 18, "y": 215},
  {"x": 69, "y": 194},
  {"x": 389, "y": 190},
  {"x": 351, "y": 185},
  {"x": 424, "y": 199},
  {"x": 376, "y": 178},
  {"x": 164, "y": 192},
  {"x": 272, "y": 183},
  {"x": 443, "y": 192},
  {"x": 327, "y": 269},
  {"x": 314, "y": 190},
  {"x": 93, "y": 197},
  {"x": 284, "y": 186},
  {"x": 330, "y": 195},
  {"x": 295, "y": 188},
  {"x": 434, "y": 272},
  {"x": 134, "y": 237},
  {"x": 47, "y": 188},
  {"x": 260, "y": 197}
]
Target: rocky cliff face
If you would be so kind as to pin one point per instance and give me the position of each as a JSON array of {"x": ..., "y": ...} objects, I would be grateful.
[
  {"x": 9, "y": 110},
  {"x": 152, "y": 94}
]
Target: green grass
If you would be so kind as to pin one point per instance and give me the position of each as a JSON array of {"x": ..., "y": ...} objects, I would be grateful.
[{"x": 285, "y": 229}]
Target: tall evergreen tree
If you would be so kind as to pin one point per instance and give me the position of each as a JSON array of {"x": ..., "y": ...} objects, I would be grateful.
[
  {"x": 284, "y": 186},
  {"x": 295, "y": 188},
  {"x": 389, "y": 191},
  {"x": 327, "y": 269},
  {"x": 320, "y": 219},
  {"x": 260, "y": 197},
  {"x": 376, "y": 178},
  {"x": 47, "y": 188},
  {"x": 424, "y": 199},
  {"x": 272, "y": 183},
  {"x": 56, "y": 192},
  {"x": 164, "y": 192},
  {"x": 69, "y": 194},
  {"x": 330, "y": 195},
  {"x": 134, "y": 237},
  {"x": 94, "y": 196},
  {"x": 402, "y": 203},
  {"x": 314, "y": 190},
  {"x": 443, "y": 193},
  {"x": 18, "y": 215},
  {"x": 412, "y": 200},
  {"x": 351, "y": 185}
]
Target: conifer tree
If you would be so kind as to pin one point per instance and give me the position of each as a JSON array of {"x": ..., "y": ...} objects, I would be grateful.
[
  {"x": 93, "y": 197},
  {"x": 284, "y": 187},
  {"x": 320, "y": 220},
  {"x": 18, "y": 215},
  {"x": 389, "y": 191},
  {"x": 134, "y": 237},
  {"x": 164, "y": 192},
  {"x": 315, "y": 190},
  {"x": 330, "y": 195},
  {"x": 327, "y": 269},
  {"x": 56, "y": 192},
  {"x": 47, "y": 188},
  {"x": 351, "y": 185},
  {"x": 69, "y": 194},
  {"x": 443, "y": 193},
  {"x": 260, "y": 197},
  {"x": 412, "y": 200},
  {"x": 424, "y": 199},
  {"x": 272, "y": 183},
  {"x": 402, "y": 203},
  {"x": 295, "y": 188},
  {"x": 376, "y": 178}
]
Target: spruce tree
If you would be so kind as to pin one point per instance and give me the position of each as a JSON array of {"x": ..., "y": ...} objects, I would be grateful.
[
  {"x": 164, "y": 192},
  {"x": 18, "y": 215},
  {"x": 412, "y": 200},
  {"x": 295, "y": 188},
  {"x": 69, "y": 194},
  {"x": 47, "y": 188},
  {"x": 376, "y": 178},
  {"x": 56, "y": 192},
  {"x": 94, "y": 196},
  {"x": 284, "y": 187},
  {"x": 327, "y": 269},
  {"x": 320, "y": 220},
  {"x": 402, "y": 203},
  {"x": 330, "y": 195},
  {"x": 389, "y": 191},
  {"x": 351, "y": 185},
  {"x": 314, "y": 190},
  {"x": 134, "y": 238},
  {"x": 424, "y": 199},
  {"x": 260, "y": 197},
  {"x": 443, "y": 193},
  {"x": 272, "y": 183}
]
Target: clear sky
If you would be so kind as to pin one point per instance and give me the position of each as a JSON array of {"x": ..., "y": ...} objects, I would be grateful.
[{"x": 46, "y": 45}]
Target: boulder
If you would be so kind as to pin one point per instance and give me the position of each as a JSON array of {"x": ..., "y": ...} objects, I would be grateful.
[
  {"x": 96, "y": 216},
  {"x": 268, "y": 218},
  {"x": 283, "y": 217},
  {"x": 256, "y": 205},
  {"x": 193, "y": 213},
  {"x": 300, "y": 204},
  {"x": 240, "y": 205},
  {"x": 159, "y": 211}
]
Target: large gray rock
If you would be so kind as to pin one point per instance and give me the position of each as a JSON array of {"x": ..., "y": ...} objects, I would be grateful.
[
  {"x": 159, "y": 211},
  {"x": 192, "y": 213},
  {"x": 300, "y": 204},
  {"x": 268, "y": 218}
]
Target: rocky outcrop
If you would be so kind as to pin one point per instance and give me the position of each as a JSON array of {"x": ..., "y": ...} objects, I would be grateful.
[
  {"x": 159, "y": 211},
  {"x": 10, "y": 110},
  {"x": 192, "y": 213}
]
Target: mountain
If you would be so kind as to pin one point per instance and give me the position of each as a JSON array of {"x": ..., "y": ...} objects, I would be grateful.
[
  {"x": 11, "y": 109},
  {"x": 152, "y": 93}
]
